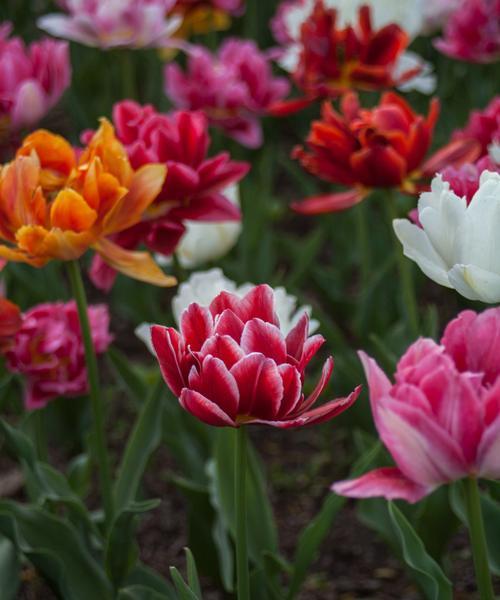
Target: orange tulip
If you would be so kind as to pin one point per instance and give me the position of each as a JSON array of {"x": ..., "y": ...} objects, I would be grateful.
[
  {"x": 54, "y": 205},
  {"x": 10, "y": 322}
]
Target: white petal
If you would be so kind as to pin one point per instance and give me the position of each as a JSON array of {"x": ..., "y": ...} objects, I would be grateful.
[
  {"x": 417, "y": 247},
  {"x": 475, "y": 283},
  {"x": 143, "y": 332}
]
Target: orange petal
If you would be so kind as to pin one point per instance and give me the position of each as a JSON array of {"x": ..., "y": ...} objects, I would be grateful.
[
  {"x": 105, "y": 146},
  {"x": 22, "y": 198},
  {"x": 57, "y": 157},
  {"x": 145, "y": 186},
  {"x": 69, "y": 211},
  {"x": 138, "y": 265},
  {"x": 41, "y": 243},
  {"x": 16, "y": 255}
]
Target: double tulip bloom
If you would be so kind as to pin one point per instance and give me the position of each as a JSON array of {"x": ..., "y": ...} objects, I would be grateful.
[
  {"x": 10, "y": 322},
  {"x": 234, "y": 87},
  {"x": 114, "y": 23},
  {"x": 195, "y": 185},
  {"x": 440, "y": 420},
  {"x": 47, "y": 349},
  {"x": 231, "y": 365},
  {"x": 381, "y": 147},
  {"x": 32, "y": 78},
  {"x": 331, "y": 58},
  {"x": 56, "y": 206}
]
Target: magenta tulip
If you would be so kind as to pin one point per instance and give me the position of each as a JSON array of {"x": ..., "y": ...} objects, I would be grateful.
[{"x": 231, "y": 364}]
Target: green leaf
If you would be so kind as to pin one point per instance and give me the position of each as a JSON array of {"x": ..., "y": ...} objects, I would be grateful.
[
  {"x": 9, "y": 569},
  {"x": 79, "y": 474},
  {"x": 18, "y": 443},
  {"x": 262, "y": 535},
  {"x": 427, "y": 572},
  {"x": 143, "y": 441},
  {"x": 121, "y": 548},
  {"x": 55, "y": 548},
  {"x": 184, "y": 591},
  {"x": 491, "y": 516},
  {"x": 130, "y": 379},
  {"x": 140, "y": 592},
  {"x": 313, "y": 535},
  {"x": 192, "y": 573},
  {"x": 145, "y": 577}
]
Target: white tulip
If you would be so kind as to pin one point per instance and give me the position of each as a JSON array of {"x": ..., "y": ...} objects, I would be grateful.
[{"x": 458, "y": 246}]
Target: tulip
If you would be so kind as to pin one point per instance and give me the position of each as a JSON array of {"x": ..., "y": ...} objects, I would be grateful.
[
  {"x": 464, "y": 180},
  {"x": 10, "y": 322},
  {"x": 195, "y": 188},
  {"x": 48, "y": 351},
  {"x": 437, "y": 13},
  {"x": 456, "y": 245},
  {"x": 114, "y": 23},
  {"x": 56, "y": 207},
  {"x": 32, "y": 78},
  {"x": 472, "y": 32},
  {"x": 382, "y": 147},
  {"x": 202, "y": 16},
  {"x": 483, "y": 126},
  {"x": 234, "y": 87},
  {"x": 330, "y": 58},
  {"x": 232, "y": 365}
]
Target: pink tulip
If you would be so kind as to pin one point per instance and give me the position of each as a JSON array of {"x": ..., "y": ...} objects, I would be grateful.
[
  {"x": 32, "y": 78},
  {"x": 195, "y": 186},
  {"x": 440, "y": 420},
  {"x": 48, "y": 351},
  {"x": 472, "y": 32},
  {"x": 234, "y": 87},
  {"x": 483, "y": 126},
  {"x": 114, "y": 23},
  {"x": 464, "y": 180},
  {"x": 231, "y": 365}
]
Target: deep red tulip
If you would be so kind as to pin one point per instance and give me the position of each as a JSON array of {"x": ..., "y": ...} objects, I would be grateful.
[
  {"x": 382, "y": 147},
  {"x": 334, "y": 58},
  {"x": 231, "y": 364},
  {"x": 10, "y": 322},
  {"x": 195, "y": 185}
]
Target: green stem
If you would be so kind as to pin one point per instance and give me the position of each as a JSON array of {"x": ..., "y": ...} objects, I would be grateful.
[
  {"x": 478, "y": 539},
  {"x": 240, "y": 469},
  {"x": 128, "y": 74},
  {"x": 363, "y": 239},
  {"x": 405, "y": 267},
  {"x": 99, "y": 439},
  {"x": 40, "y": 435}
]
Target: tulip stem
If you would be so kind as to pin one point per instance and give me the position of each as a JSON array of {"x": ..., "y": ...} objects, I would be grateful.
[
  {"x": 478, "y": 539},
  {"x": 40, "y": 436},
  {"x": 128, "y": 74},
  {"x": 99, "y": 439},
  {"x": 240, "y": 469},
  {"x": 404, "y": 267}
]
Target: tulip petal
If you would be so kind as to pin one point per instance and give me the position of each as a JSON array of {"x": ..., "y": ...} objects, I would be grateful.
[
  {"x": 418, "y": 247},
  {"x": 223, "y": 347},
  {"x": 204, "y": 409},
  {"x": 475, "y": 283},
  {"x": 263, "y": 338},
  {"x": 297, "y": 336},
  {"x": 292, "y": 390},
  {"x": 387, "y": 482},
  {"x": 258, "y": 303},
  {"x": 145, "y": 186},
  {"x": 326, "y": 373},
  {"x": 260, "y": 385},
  {"x": 327, "y": 203},
  {"x": 454, "y": 154},
  {"x": 228, "y": 324},
  {"x": 196, "y": 326},
  {"x": 167, "y": 345},
  {"x": 216, "y": 383},
  {"x": 138, "y": 265}
]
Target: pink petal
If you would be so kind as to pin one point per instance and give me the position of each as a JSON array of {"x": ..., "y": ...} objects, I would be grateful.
[
  {"x": 196, "y": 326},
  {"x": 224, "y": 301},
  {"x": 264, "y": 338},
  {"x": 292, "y": 389},
  {"x": 260, "y": 385},
  {"x": 329, "y": 203},
  {"x": 167, "y": 344},
  {"x": 217, "y": 384},
  {"x": 311, "y": 347},
  {"x": 204, "y": 409},
  {"x": 387, "y": 482},
  {"x": 258, "y": 304},
  {"x": 378, "y": 383},
  {"x": 223, "y": 347},
  {"x": 297, "y": 336},
  {"x": 227, "y": 323},
  {"x": 331, "y": 409},
  {"x": 326, "y": 373}
]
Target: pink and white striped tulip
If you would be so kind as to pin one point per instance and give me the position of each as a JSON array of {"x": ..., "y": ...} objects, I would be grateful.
[
  {"x": 231, "y": 364},
  {"x": 440, "y": 420}
]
